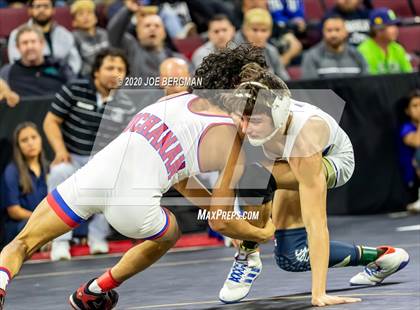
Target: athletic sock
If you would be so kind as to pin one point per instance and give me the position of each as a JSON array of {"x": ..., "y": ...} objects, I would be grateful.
[
  {"x": 368, "y": 254},
  {"x": 246, "y": 248},
  {"x": 249, "y": 245},
  {"x": 94, "y": 287},
  {"x": 104, "y": 283},
  {"x": 4, "y": 277}
]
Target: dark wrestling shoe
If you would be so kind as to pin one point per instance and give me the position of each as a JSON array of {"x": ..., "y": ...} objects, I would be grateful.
[
  {"x": 83, "y": 299},
  {"x": 2, "y": 297}
]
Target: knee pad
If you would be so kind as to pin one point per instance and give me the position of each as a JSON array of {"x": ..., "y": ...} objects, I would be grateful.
[
  {"x": 256, "y": 184},
  {"x": 291, "y": 264},
  {"x": 291, "y": 250}
]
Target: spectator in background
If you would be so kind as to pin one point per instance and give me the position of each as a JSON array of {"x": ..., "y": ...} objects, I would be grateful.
[
  {"x": 409, "y": 146},
  {"x": 282, "y": 37},
  {"x": 243, "y": 6},
  {"x": 60, "y": 42},
  {"x": 72, "y": 128},
  {"x": 356, "y": 17},
  {"x": 23, "y": 184},
  {"x": 381, "y": 51},
  {"x": 333, "y": 57},
  {"x": 220, "y": 32},
  {"x": 175, "y": 68},
  {"x": 177, "y": 19},
  {"x": 289, "y": 22},
  {"x": 148, "y": 51},
  {"x": 8, "y": 95},
  {"x": 288, "y": 14},
  {"x": 202, "y": 11},
  {"x": 89, "y": 38},
  {"x": 256, "y": 30},
  {"x": 175, "y": 15},
  {"x": 34, "y": 74}
]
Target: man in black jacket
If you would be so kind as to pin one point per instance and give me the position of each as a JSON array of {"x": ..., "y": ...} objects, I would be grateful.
[{"x": 34, "y": 74}]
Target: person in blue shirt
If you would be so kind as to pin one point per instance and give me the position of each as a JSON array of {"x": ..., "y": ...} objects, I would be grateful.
[
  {"x": 288, "y": 13},
  {"x": 23, "y": 183},
  {"x": 409, "y": 145}
]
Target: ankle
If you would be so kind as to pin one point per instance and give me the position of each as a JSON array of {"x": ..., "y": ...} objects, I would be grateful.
[
  {"x": 107, "y": 282},
  {"x": 369, "y": 254},
  {"x": 249, "y": 246}
]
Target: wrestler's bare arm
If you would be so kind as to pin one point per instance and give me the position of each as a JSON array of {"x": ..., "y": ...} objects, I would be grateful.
[
  {"x": 306, "y": 164},
  {"x": 221, "y": 151},
  {"x": 195, "y": 192}
]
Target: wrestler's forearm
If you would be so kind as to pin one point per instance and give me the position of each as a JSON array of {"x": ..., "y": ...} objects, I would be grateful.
[
  {"x": 227, "y": 222},
  {"x": 195, "y": 192},
  {"x": 313, "y": 204},
  {"x": 240, "y": 229},
  {"x": 318, "y": 241}
]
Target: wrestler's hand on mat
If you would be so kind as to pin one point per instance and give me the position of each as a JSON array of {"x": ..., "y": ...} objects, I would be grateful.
[
  {"x": 268, "y": 230},
  {"x": 327, "y": 300}
]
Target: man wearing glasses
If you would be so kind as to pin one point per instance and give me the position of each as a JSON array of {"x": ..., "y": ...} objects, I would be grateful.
[{"x": 60, "y": 42}]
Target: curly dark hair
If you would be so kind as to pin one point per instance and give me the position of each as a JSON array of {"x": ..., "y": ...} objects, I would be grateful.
[
  {"x": 105, "y": 52},
  {"x": 220, "y": 70}
]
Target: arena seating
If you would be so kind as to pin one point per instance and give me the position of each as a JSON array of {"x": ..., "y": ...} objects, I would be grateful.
[
  {"x": 314, "y": 10},
  {"x": 295, "y": 72},
  {"x": 409, "y": 37},
  {"x": 401, "y": 7},
  {"x": 188, "y": 46}
]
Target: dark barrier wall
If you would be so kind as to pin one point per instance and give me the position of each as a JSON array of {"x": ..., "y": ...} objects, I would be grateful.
[{"x": 369, "y": 119}]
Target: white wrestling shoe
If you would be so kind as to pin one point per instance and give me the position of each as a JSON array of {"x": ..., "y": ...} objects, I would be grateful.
[
  {"x": 245, "y": 269},
  {"x": 98, "y": 247},
  {"x": 60, "y": 250},
  {"x": 393, "y": 260}
]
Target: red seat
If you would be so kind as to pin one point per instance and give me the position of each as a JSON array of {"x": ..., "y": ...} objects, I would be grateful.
[
  {"x": 63, "y": 17},
  {"x": 188, "y": 46},
  {"x": 295, "y": 72},
  {"x": 10, "y": 19},
  {"x": 400, "y": 7},
  {"x": 313, "y": 10},
  {"x": 13, "y": 18},
  {"x": 409, "y": 37},
  {"x": 417, "y": 6},
  {"x": 330, "y": 4}
]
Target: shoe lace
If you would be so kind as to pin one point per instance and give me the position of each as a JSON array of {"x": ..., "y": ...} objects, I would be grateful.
[
  {"x": 373, "y": 270},
  {"x": 237, "y": 271}
]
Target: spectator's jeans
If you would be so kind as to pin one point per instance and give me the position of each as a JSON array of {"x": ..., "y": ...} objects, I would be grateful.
[
  {"x": 98, "y": 228},
  {"x": 171, "y": 21}
]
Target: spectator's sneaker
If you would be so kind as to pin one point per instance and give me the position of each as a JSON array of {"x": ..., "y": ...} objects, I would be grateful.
[
  {"x": 98, "y": 247},
  {"x": 245, "y": 269},
  {"x": 393, "y": 260},
  {"x": 83, "y": 299},
  {"x": 2, "y": 297},
  {"x": 414, "y": 207},
  {"x": 60, "y": 250}
]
